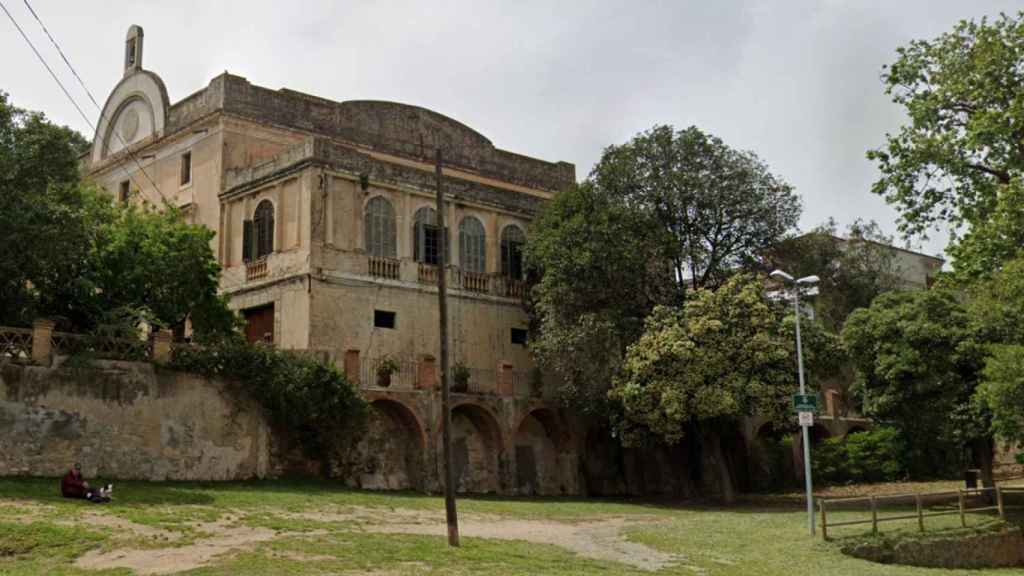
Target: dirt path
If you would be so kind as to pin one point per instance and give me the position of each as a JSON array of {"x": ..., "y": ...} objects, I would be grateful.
[{"x": 599, "y": 540}]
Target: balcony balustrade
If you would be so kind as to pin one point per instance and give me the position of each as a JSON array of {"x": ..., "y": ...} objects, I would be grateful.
[{"x": 388, "y": 268}]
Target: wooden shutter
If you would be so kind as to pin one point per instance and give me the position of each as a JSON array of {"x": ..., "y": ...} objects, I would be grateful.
[{"x": 247, "y": 240}]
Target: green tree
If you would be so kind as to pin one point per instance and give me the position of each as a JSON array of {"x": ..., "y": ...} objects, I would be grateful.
[
  {"x": 594, "y": 262},
  {"x": 721, "y": 208},
  {"x": 696, "y": 370},
  {"x": 152, "y": 259},
  {"x": 853, "y": 269},
  {"x": 42, "y": 228},
  {"x": 963, "y": 147},
  {"x": 918, "y": 359}
]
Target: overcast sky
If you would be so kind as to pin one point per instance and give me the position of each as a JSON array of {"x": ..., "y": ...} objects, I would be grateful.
[{"x": 795, "y": 82}]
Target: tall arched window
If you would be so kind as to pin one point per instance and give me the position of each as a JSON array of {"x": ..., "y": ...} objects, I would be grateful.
[
  {"x": 512, "y": 240},
  {"x": 263, "y": 224},
  {"x": 426, "y": 237},
  {"x": 379, "y": 226},
  {"x": 472, "y": 245}
]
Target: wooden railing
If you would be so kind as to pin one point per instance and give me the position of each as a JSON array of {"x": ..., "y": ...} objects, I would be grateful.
[
  {"x": 16, "y": 343},
  {"x": 381, "y": 267},
  {"x": 826, "y": 504},
  {"x": 255, "y": 269}
]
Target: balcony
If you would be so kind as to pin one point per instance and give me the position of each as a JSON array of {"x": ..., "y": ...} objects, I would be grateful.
[
  {"x": 479, "y": 282},
  {"x": 387, "y": 268},
  {"x": 255, "y": 269},
  {"x": 427, "y": 274}
]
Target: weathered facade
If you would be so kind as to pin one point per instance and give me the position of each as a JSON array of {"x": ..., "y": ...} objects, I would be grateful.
[{"x": 327, "y": 235}]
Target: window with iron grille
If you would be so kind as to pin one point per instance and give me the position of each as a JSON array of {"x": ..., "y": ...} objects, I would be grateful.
[
  {"x": 472, "y": 245},
  {"x": 379, "y": 227},
  {"x": 512, "y": 241},
  {"x": 426, "y": 237}
]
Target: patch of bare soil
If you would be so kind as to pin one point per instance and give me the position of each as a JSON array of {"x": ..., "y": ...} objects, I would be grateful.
[
  {"x": 171, "y": 560},
  {"x": 121, "y": 525},
  {"x": 601, "y": 540}
]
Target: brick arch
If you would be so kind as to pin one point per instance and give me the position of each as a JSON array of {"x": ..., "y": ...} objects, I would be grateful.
[
  {"x": 406, "y": 415},
  {"x": 477, "y": 448},
  {"x": 391, "y": 455},
  {"x": 540, "y": 440}
]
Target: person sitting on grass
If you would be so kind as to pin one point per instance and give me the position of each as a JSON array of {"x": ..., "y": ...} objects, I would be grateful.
[{"x": 74, "y": 486}]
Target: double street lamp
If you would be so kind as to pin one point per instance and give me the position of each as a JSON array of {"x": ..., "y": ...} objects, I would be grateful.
[{"x": 797, "y": 284}]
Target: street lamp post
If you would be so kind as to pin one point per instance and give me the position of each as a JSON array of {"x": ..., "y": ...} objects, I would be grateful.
[{"x": 805, "y": 430}]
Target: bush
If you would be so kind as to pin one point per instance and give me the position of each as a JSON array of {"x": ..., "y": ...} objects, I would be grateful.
[
  {"x": 310, "y": 399},
  {"x": 875, "y": 456}
]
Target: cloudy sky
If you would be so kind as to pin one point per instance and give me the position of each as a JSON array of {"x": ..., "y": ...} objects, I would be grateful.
[{"x": 796, "y": 82}]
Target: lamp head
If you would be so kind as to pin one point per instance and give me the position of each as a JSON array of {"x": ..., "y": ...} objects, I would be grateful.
[
  {"x": 780, "y": 275},
  {"x": 808, "y": 280}
]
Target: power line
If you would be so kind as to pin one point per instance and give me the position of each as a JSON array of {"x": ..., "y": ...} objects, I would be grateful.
[{"x": 68, "y": 94}]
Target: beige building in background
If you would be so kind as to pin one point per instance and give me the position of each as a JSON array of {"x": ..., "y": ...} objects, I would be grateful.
[{"x": 324, "y": 213}]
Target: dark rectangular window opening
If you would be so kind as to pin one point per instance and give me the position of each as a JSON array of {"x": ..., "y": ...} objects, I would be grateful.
[
  {"x": 519, "y": 336},
  {"x": 186, "y": 168},
  {"x": 124, "y": 190},
  {"x": 383, "y": 319}
]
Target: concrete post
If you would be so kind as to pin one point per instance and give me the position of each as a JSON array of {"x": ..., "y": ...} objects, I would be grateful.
[
  {"x": 426, "y": 377},
  {"x": 352, "y": 366},
  {"x": 506, "y": 386},
  {"x": 42, "y": 341},
  {"x": 162, "y": 346}
]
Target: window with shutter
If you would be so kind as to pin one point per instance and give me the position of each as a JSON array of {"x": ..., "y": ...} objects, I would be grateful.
[
  {"x": 263, "y": 222},
  {"x": 472, "y": 245},
  {"x": 379, "y": 228},
  {"x": 247, "y": 241},
  {"x": 512, "y": 240}
]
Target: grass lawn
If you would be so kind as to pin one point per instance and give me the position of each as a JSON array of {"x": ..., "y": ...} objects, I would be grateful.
[{"x": 317, "y": 528}]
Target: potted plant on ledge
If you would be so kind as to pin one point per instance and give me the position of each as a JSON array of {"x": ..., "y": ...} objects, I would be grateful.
[
  {"x": 385, "y": 368},
  {"x": 460, "y": 377}
]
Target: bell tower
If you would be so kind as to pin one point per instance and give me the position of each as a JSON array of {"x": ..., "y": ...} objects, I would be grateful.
[{"x": 133, "y": 50}]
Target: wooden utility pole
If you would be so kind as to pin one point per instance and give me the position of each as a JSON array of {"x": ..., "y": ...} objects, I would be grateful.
[{"x": 446, "y": 414}]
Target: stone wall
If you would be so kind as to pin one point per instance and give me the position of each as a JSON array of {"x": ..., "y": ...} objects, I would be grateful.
[
  {"x": 128, "y": 421},
  {"x": 993, "y": 550}
]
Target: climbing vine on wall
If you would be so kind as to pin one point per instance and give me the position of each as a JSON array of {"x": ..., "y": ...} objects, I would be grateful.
[{"x": 299, "y": 393}]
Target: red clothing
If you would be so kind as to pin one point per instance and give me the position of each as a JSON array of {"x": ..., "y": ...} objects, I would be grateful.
[{"x": 72, "y": 485}]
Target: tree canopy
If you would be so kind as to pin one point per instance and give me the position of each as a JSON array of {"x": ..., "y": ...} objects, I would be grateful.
[
  {"x": 853, "y": 269},
  {"x": 594, "y": 263},
  {"x": 79, "y": 255},
  {"x": 963, "y": 146},
  {"x": 720, "y": 207}
]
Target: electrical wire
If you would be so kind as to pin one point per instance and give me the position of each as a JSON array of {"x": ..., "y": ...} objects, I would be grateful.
[{"x": 82, "y": 84}]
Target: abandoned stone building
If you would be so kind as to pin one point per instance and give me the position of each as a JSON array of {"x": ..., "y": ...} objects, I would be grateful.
[{"x": 328, "y": 238}]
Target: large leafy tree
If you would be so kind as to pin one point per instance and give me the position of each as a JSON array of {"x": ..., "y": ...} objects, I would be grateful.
[
  {"x": 74, "y": 254},
  {"x": 854, "y": 268},
  {"x": 42, "y": 232},
  {"x": 918, "y": 357},
  {"x": 720, "y": 207},
  {"x": 962, "y": 151},
  {"x": 597, "y": 269},
  {"x": 727, "y": 353}
]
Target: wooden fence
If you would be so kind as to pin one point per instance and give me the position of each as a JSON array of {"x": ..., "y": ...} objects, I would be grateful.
[{"x": 824, "y": 504}]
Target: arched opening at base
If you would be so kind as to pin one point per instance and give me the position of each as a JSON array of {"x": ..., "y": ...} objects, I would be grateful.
[
  {"x": 476, "y": 446},
  {"x": 538, "y": 467},
  {"x": 390, "y": 455}
]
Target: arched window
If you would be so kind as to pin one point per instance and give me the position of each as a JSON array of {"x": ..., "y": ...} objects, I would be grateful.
[
  {"x": 379, "y": 225},
  {"x": 263, "y": 224},
  {"x": 512, "y": 240},
  {"x": 472, "y": 245},
  {"x": 426, "y": 237}
]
